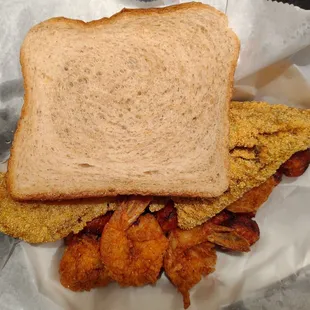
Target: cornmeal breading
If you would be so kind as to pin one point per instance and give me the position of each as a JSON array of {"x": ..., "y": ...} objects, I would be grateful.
[{"x": 46, "y": 222}]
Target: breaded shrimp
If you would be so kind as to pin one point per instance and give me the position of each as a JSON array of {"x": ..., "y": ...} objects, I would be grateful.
[
  {"x": 297, "y": 164},
  {"x": 81, "y": 267},
  {"x": 132, "y": 247},
  {"x": 96, "y": 225},
  {"x": 241, "y": 224},
  {"x": 244, "y": 226},
  {"x": 191, "y": 253},
  {"x": 186, "y": 260},
  {"x": 93, "y": 227},
  {"x": 167, "y": 217}
]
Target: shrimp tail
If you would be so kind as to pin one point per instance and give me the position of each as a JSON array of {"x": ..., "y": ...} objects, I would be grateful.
[
  {"x": 186, "y": 299},
  {"x": 136, "y": 206},
  {"x": 129, "y": 211}
]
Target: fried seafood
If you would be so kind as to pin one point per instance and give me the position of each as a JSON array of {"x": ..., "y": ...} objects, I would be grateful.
[
  {"x": 262, "y": 137},
  {"x": 241, "y": 223},
  {"x": 97, "y": 225},
  {"x": 73, "y": 238},
  {"x": 94, "y": 227},
  {"x": 81, "y": 267},
  {"x": 132, "y": 246},
  {"x": 191, "y": 253},
  {"x": 244, "y": 226},
  {"x": 221, "y": 217},
  {"x": 137, "y": 258},
  {"x": 187, "y": 259},
  {"x": 228, "y": 238},
  {"x": 297, "y": 164},
  {"x": 254, "y": 198},
  {"x": 167, "y": 217},
  {"x": 37, "y": 222}
]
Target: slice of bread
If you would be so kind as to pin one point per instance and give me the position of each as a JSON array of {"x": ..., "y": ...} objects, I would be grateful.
[{"x": 132, "y": 104}]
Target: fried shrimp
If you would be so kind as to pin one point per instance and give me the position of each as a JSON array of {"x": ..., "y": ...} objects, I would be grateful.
[
  {"x": 229, "y": 238},
  {"x": 297, "y": 164},
  {"x": 81, "y": 267},
  {"x": 132, "y": 247},
  {"x": 93, "y": 227},
  {"x": 254, "y": 198},
  {"x": 96, "y": 226},
  {"x": 187, "y": 259},
  {"x": 191, "y": 253},
  {"x": 244, "y": 226},
  {"x": 167, "y": 217},
  {"x": 241, "y": 224}
]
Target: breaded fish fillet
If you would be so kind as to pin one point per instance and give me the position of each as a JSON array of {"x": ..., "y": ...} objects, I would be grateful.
[
  {"x": 262, "y": 137},
  {"x": 46, "y": 222}
]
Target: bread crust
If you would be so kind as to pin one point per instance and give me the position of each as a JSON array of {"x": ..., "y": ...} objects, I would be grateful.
[{"x": 112, "y": 192}]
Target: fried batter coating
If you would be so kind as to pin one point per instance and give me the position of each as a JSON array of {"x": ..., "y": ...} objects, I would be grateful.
[
  {"x": 73, "y": 238},
  {"x": 158, "y": 203},
  {"x": 297, "y": 164},
  {"x": 37, "y": 222},
  {"x": 187, "y": 260},
  {"x": 221, "y": 217},
  {"x": 191, "y": 254},
  {"x": 244, "y": 226},
  {"x": 97, "y": 225},
  {"x": 254, "y": 198},
  {"x": 132, "y": 246},
  {"x": 81, "y": 268},
  {"x": 262, "y": 137},
  {"x": 241, "y": 224},
  {"x": 167, "y": 217},
  {"x": 229, "y": 238},
  {"x": 94, "y": 227}
]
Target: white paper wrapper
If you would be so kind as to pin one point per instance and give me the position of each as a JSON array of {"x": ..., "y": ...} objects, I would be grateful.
[{"x": 274, "y": 66}]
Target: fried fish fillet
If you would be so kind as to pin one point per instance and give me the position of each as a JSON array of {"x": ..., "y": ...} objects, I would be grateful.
[
  {"x": 37, "y": 222},
  {"x": 262, "y": 137},
  {"x": 254, "y": 198}
]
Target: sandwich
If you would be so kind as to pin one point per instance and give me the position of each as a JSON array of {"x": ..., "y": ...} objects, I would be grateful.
[
  {"x": 130, "y": 149},
  {"x": 286, "y": 132},
  {"x": 81, "y": 222}
]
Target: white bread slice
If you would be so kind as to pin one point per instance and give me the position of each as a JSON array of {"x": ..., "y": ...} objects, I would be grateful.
[{"x": 132, "y": 104}]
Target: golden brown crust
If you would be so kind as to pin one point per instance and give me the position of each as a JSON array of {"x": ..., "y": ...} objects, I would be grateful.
[
  {"x": 36, "y": 222},
  {"x": 78, "y": 23},
  {"x": 254, "y": 198},
  {"x": 133, "y": 12},
  {"x": 81, "y": 268}
]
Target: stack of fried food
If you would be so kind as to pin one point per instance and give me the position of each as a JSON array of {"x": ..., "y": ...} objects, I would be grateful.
[
  {"x": 129, "y": 118},
  {"x": 131, "y": 246},
  {"x": 130, "y": 240}
]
